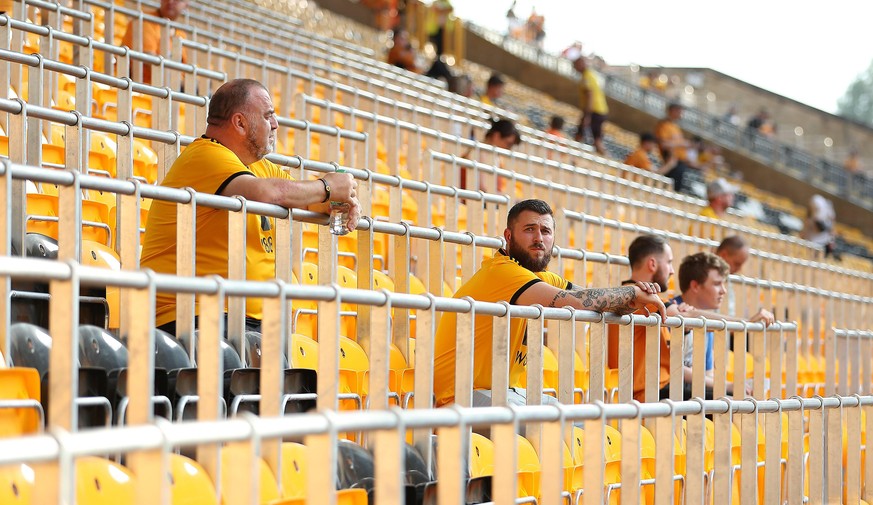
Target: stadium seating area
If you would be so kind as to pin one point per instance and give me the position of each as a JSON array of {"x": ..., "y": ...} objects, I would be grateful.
[{"x": 332, "y": 402}]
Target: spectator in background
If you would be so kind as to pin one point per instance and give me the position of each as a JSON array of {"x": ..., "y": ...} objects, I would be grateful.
[
  {"x": 731, "y": 116},
  {"x": 437, "y": 19},
  {"x": 853, "y": 162},
  {"x": 503, "y": 135},
  {"x": 151, "y": 33},
  {"x": 673, "y": 144},
  {"x": 758, "y": 121},
  {"x": 642, "y": 157},
  {"x": 536, "y": 28},
  {"x": 720, "y": 194},
  {"x": 735, "y": 252},
  {"x": 819, "y": 224},
  {"x": 652, "y": 81},
  {"x": 513, "y": 22},
  {"x": 556, "y": 126},
  {"x": 493, "y": 90},
  {"x": 592, "y": 101},
  {"x": 401, "y": 54}
]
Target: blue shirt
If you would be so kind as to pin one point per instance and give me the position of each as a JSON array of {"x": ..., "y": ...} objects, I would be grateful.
[{"x": 709, "y": 362}]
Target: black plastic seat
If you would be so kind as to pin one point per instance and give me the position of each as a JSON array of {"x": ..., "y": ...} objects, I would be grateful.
[{"x": 30, "y": 346}]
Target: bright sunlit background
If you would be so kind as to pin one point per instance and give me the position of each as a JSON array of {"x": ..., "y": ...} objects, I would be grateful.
[{"x": 808, "y": 51}]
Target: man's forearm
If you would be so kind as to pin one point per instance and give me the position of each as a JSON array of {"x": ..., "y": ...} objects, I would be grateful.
[{"x": 616, "y": 300}]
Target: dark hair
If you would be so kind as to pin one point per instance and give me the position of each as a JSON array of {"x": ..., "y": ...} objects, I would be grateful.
[
  {"x": 230, "y": 98},
  {"x": 557, "y": 122},
  {"x": 504, "y": 128},
  {"x": 495, "y": 80},
  {"x": 647, "y": 137},
  {"x": 733, "y": 243},
  {"x": 696, "y": 267},
  {"x": 538, "y": 206},
  {"x": 674, "y": 105},
  {"x": 644, "y": 246}
]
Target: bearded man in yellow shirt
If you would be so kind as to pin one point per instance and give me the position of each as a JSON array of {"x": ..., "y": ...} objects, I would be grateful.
[
  {"x": 517, "y": 274},
  {"x": 228, "y": 160}
]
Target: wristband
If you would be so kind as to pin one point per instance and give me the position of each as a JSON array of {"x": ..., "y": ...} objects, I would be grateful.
[{"x": 326, "y": 190}]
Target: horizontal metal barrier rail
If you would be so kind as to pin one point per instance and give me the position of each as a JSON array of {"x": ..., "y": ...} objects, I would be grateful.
[
  {"x": 414, "y": 80},
  {"x": 654, "y": 179},
  {"x": 54, "y": 454},
  {"x": 624, "y": 226},
  {"x": 122, "y": 83},
  {"x": 813, "y": 266},
  {"x": 328, "y": 82},
  {"x": 89, "y": 42},
  {"x": 849, "y": 369}
]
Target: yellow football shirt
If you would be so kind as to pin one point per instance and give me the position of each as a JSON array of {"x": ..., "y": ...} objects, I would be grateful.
[
  {"x": 499, "y": 279},
  {"x": 207, "y": 167},
  {"x": 590, "y": 86}
]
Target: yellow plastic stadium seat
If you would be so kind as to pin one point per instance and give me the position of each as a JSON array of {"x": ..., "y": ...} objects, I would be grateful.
[
  {"x": 95, "y": 221},
  {"x": 190, "y": 484},
  {"x": 145, "y": 161},
  {"x": 306, "y": 323},
  {"x": 612, "y": 458},
  {"x": 268, "y": 486},
  {"x": 102, "y": 154},
  {"x": 294, "y": 464},
  {"x": 529, "y": 469},
  {"x": 347, "y": 278},
  {"x": 19, "y": 383},
  {"x": 16, "y": 484},
  {"x": 353, "y": 365},
  {"x": 102, "y": 482},
  {"x": 481, "y": 456},
  {"x": 42, "y": 213},
  {"x": 304, "y": 352}
]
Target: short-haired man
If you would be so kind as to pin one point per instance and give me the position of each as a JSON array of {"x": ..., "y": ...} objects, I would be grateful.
[
  {"x": 735, "y": 252},
  {"x": 151, "y": 33},
  {"x": 228, "y": 160},
  {"x": 518, "y": 275},
  {"x": 702, "y": 282},
  {"x": 493, "y": 90},
  {"x": 651, "y": 260}
]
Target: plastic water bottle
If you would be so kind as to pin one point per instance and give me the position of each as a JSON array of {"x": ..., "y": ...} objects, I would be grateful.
[{"x": 339, "y": 215}]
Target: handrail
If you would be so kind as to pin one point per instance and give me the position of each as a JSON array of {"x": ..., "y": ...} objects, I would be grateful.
[
  {"x": 47, "y": 31},
  {"x": 162, "y": 434}
]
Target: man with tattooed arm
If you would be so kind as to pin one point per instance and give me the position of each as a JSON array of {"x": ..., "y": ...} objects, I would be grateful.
[{"x": 517, "y": 274}]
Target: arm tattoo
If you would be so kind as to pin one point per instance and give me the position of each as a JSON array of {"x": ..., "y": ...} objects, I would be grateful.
[{"x": 616, "y": 300}]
